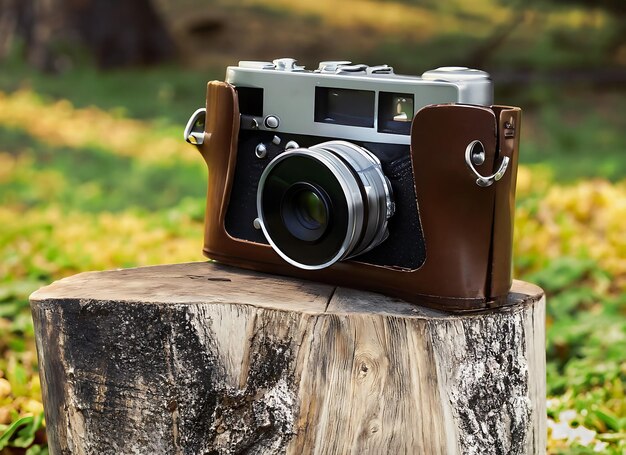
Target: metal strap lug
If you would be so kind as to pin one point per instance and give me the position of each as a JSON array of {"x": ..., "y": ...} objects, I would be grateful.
[
  {"x": 481, "y": 180},
  {"x": 194, "y": 131}
]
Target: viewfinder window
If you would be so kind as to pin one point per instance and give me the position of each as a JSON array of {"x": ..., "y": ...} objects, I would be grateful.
[
  {"x": 342, "y": 106},
  {"x": 250, "y": 100},
  {"x": 395, "y": 113}
]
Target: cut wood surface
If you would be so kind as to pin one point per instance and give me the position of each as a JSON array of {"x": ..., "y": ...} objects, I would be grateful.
[{"x": 201, "y": 358}]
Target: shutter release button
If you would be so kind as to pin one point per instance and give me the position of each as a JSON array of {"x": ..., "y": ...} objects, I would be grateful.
[{"x": 271, "y": 121}]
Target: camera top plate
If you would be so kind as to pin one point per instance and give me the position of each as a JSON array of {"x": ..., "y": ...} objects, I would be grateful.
[{"x": 349, "y": 101}]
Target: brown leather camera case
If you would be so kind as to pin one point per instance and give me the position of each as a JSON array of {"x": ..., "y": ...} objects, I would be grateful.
[{"x": 468, "y": 229}]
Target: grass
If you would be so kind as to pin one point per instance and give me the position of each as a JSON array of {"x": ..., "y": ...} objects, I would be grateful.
[
  {"x": 580, "y": 136},
  {"x": 165, "y": 95},
  {"x": 99, "y": 180}
]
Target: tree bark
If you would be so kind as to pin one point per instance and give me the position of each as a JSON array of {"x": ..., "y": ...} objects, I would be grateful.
[
  {"x": 116, "y": 33},
  {"x": 202, "y": 358}
]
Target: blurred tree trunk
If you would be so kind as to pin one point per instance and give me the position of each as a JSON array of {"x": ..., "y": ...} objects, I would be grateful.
[{"x": 114, "y": 32}]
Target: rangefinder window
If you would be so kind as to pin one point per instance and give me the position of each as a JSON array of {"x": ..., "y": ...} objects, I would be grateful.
[
  {"x": 250, "y": 100},
  {"x": 395, "y": 113},
  {"x": 342, "y": 106}
]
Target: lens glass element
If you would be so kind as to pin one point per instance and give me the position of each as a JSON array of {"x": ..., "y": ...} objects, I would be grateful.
[
  {"x": 311, "y": 209},
  {"x": 305, "y": 211}
]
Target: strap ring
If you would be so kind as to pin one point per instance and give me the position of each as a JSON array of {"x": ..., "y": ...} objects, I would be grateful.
[
  {"x": 481, "y": 180},
  {"x": 194, "y": 131}
]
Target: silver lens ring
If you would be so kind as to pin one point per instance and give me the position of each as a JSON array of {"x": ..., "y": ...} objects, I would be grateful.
[
  {"x": 366, "y": 191},
  {"x": 351, "y": 192},
  {"x": 377, "y": 189}
]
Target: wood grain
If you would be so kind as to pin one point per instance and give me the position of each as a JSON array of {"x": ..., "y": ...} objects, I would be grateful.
[{"x": 203, "y": 358}]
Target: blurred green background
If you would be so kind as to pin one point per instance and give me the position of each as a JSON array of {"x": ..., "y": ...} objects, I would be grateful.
[{"x": 94, "y": 174}]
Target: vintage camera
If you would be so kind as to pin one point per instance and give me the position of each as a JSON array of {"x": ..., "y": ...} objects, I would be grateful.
[{"x": 355, "y": 176}]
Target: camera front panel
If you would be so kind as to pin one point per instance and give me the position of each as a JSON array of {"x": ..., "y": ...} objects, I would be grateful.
[{"x": 405, "y": 246}]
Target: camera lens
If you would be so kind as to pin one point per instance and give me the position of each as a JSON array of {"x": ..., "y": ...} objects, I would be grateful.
[
  {"x": 304, "y": 211},
  {"x": 323, "y": 204}
]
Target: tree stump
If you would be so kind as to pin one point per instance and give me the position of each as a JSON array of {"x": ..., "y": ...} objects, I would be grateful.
[{"x": 202, "y": 358}]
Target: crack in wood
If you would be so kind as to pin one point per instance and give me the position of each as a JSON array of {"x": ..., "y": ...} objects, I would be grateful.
[{"x": 330, "y": 299}]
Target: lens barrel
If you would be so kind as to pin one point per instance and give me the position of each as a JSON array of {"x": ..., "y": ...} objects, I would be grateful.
[{"x": 323, "y": 204}]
